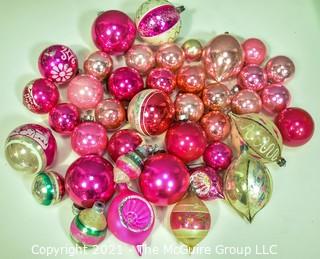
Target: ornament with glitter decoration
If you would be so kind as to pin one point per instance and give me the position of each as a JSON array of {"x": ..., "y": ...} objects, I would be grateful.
[
  {"x": 141, "y": 58},
  {"x": 188, "y": 105},
  {"x": 246, "y": 101},
  {"x": 170, "y": 56},
  {"x": 280, "y": 69},
  {"x": 218, "y": 156},
  {"x": 247, "y": 186},
  {"x": 151, "y": 112},
  {"x": 89, "y": 227},
  {"x": 162, "y": 79},
  {"x": 216, "y": 96},
  {"x": 252, "y": 77},
  {"x": 48, "y": 188},
  {"x": 99, "y": 64},
  {"x": 191, "y": 78},
  {"x": 158, "y": 21},
  {"x": 275, "y": 98},
  {"x": 192, "y": 50},
  {"x": 58, "y": 63},
  {"x": 254, "y": 50},
  {"x": 30, "y": 148}
]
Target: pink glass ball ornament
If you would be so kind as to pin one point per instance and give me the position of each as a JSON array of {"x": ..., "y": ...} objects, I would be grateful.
[
  {"x": 40, "y": 96},
  {"x": 162, "y": 79},
  {"x": 191, "y": 78},
  {"x": 218, "y": 156},
  {"x": 252, "y": 77},
  {"x": 158, "y": 21},
  {"x": 275, "y": 98},
  {"x": 63, "y": 118},
  {"x": 164, "y": 179},
  {"x": 280, "y": 69},
  {"x": 192, "y": 49},
  {"x": 255, "y": 51},
  {"x": 85, "y": 91},
  {"x": 170, "y": 56},
  {"x": 124, "y": 83},
  {"x": 58, "y": 63},
  {"x": 123, "y": 142},
  {"x": 30, "y": 148},
  {"x": 89, "y": 179},
  {"x": 113, "y": 32},
  {"x": 141, "y": 58},
  {"x": 99, "y": 65},
  {"x": 89, "y": 138},
  {"x": 188, "y": 106},
  {"x": 246, "y": 101}
]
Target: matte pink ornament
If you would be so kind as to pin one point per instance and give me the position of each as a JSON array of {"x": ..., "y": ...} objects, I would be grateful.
[
  {"x": 275, "y": 98},
  {"x": 124, "y": 83},
  {"x": 280, "y": 69},
  {"x": 89, "y": 138},
  {"x": 141, "y": 58},
  {"x": 85, "y": 91},
  {"x": 164, "y": 179},
  {"x": 246, "y": 101},
  {"x": 162, "y": 79},
  {"x": 255, "y": 51},
  {"x": 170, "y": 56},
  {"x": 58, "y": 63},
  {"x": 89, "y": 179},
  {"x": 130, "y": 217},
  {"x": 218, "y": 156},
  {"x": 252, "y": 77},
  {"x": 40, "y": 96},
  {"x": 113, "y": 32},
  {"x": 63, "y": 118}
]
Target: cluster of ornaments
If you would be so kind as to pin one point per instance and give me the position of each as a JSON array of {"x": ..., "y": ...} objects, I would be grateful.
[{"x": 207, "y": 101}]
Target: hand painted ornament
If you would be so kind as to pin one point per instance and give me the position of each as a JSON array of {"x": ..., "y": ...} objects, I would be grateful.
[
  {"x": 189, "y": 106},
  {"x": 113, "y": 32},
  {"x": 63, "y": 118},
  {"x": 89, "y": 138},
  {"x": 190, "y": 221},
  {"x": 246, "y": 101},
  {"x": 130, "y": 218},
  {"x": 123, "y": 142},
  {"x": 85, "y": 91},
  {"x": 89, "y": 227},
  {"x": 124, "y": 83},
  {"x": 254, "y": 50},
  {"x": 216, "y": 96},
  {"x": 30, "y": 148},
  {"x": 191, "y": 78},
  {"x": 170, "y": 56},
  {"x": 164, "y": 179},
  {"x": 296, "y": 126},
  {"x": 192, "y": 50},
  {"x": 98, "y": 64},
  {"x": 258, "y": 136},
  {"x": 158, "y": 21},
  {"x": 206, "y": 183},
  {"x": 110, "y": 113},
  {"x": 247, "y": 186},
  {"x": 162, "y": 79},
  {"x": 218, "y": 156},
  {"x": 40, "y": 96},
  {"x": 58, "y": 63},
  {"x": 275, "y": 98},
  {"x": 151, "y": 112},
  {"x": 252, "y": 77},
  {"x": 128, "y": 166},
  {"x": 279, "y": 69},
  {"x": 48, "y": 188},
  {"x": 89, "y": 179},
  {"x": 223, "y": 57},
  {"x": 186, "y": 140},
  {"x": 141, "y": 58}
]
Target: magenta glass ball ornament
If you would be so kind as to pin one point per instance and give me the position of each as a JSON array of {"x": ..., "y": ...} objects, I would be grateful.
[
  {"x": 123, "y": 142},
  {"x": 164, "y": 179},
  {"x": 186, "y": 140},
  {"x": 89, "y": 138},
  {"x": 89, "y": 179},
  {"x": 275, "y": 98},
  {"x": 64, "y": 117},
  {"x": 252, "y": 77},
  {"x": 141, "y": 58},
  {"x": 279, "y": 69},
  {"x": 113, "y": 32},
  {"x": 218, "y": 156},
  {"x": 40, "y": 96},
  {"x": 151, "y": 112},
  {"x": 85, "y": 91},
  {"x": 58, "y": 63},
  {"x": 124, "y": 83},
  {"x": 296, "y": 126},
  {"x": 255, "y": 51},
  {"x": 162, "y": 79}
]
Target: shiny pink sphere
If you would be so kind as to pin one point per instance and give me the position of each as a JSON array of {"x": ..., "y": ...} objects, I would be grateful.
[
  {"x": 255, "y": 51},
  {"x": 164, "y": 179},
  {"x": 296, "y": 126},
  {"x": 186, "y": 140},
  {"x": 89, "y": 179},
  {"x": 123, "y": 142},
  {"x": 64, "y": 117},
  {"x": 89, "y": 138},
  {"x": 141, "y": 58},
  {"x": 218, "y": 156},
  {"x": 40, "y": 96},
  {"x": 246, "y": 101},
  {"x": 162, "y": 79},
  {"x": 113, "y": 32},
  {"x": 85, "y": 91},
  {"x": 252, "y": 77},
  {"x": 58, "y": 63},
  {"x": 124, "y": 83},
  {"x": 275, "y": 98},
  {"x": 279, "y": 69}
]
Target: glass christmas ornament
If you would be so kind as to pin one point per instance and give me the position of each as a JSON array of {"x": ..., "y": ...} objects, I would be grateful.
[
  {"x": 252, "y": 77},
  {"x": 246, "y": 101},
  {"x": 162, "y": 79},
  {"x": 170, "y": 56},
  {"x": 254, "y": 50},
  {"x": 218, "y": 155},
  {"x": 99, "y": 64},
  {"x": 216, "y": 96},
  {"x": 275, "y": 98},
  {"x": 141, "y": 58},
  {"x": 279, "y": 69},
  {"x": 188, "y": 105},
  {"x": 192, "y": 49},
  {"x": 191, "y": 78}
]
